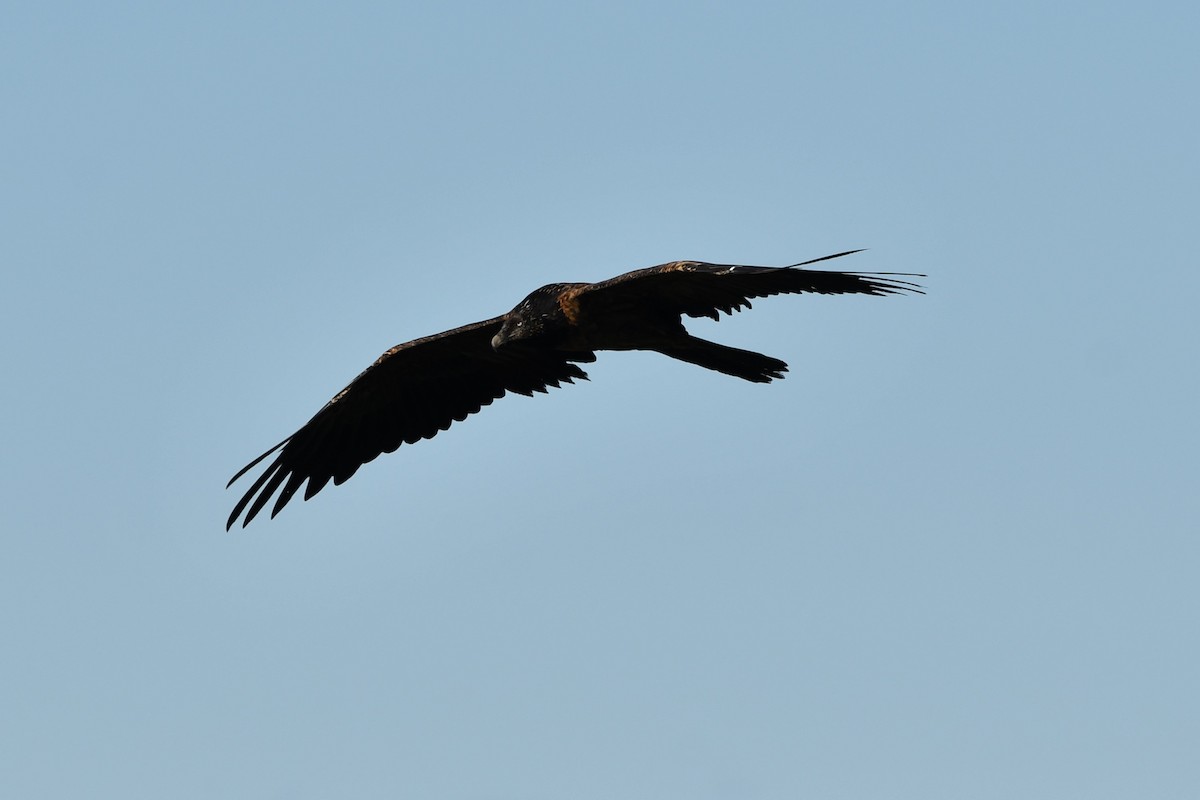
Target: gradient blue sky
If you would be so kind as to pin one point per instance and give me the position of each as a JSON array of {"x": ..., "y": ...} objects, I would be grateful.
[{"x": 954, "y": 555}]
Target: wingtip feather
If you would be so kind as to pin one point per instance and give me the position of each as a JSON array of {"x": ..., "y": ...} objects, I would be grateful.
[{"x": 827, "y": 258}]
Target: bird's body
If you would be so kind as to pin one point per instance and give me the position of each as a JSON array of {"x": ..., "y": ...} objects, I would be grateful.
[{"x": 419, "y": 388}]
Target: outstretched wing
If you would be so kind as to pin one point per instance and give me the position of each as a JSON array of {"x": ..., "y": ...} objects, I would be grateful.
[
  {"x": 410, "y": 393},
  {"x": 699, "y": 289}
]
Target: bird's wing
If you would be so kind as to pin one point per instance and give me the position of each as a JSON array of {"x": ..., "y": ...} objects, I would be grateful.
[
  {"x": 699, "y": 289},
  {"x": 410, "y": 393}
]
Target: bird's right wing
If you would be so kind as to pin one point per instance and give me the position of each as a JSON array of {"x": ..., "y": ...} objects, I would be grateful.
[{"x": 410, "y": 393}]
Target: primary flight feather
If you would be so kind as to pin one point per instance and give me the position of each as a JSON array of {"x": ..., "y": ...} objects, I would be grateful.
[{"x": 420, "y": 387}]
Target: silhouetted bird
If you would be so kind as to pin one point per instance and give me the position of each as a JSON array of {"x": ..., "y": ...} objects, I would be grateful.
[{"x": 419, "y": 388}]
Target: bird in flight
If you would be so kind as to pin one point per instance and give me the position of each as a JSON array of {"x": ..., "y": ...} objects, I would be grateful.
[{"x": 419, "y": 388}]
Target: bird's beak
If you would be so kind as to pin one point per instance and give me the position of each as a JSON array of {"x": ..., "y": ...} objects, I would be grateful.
[{"x": 497, "y": 340}]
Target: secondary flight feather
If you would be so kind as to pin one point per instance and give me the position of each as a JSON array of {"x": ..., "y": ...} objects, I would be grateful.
[{"x": 419, "y": 388}]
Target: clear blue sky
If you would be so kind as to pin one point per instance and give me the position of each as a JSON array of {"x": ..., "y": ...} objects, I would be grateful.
[{"x": 953, "y": 556}]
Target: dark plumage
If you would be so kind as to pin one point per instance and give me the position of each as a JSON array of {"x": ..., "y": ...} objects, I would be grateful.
[{"x": 419, "y": 388}]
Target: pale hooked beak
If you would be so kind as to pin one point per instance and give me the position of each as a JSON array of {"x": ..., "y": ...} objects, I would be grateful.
[{"x": 497, "y": 341}]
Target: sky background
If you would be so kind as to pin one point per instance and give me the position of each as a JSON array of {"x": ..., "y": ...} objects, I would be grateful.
[{"x": 953, "y": 555}]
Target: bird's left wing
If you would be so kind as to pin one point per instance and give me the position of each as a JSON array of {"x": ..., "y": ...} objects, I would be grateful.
[
  {"x": 700, "y": 289},
  {"x": 410, "y": 393}
]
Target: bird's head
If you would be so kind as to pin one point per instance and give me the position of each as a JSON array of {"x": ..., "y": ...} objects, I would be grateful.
[{"x": 537, "y": 321}]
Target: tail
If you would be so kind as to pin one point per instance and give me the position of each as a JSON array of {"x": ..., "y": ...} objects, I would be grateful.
[{"x": 744, "y": 364}]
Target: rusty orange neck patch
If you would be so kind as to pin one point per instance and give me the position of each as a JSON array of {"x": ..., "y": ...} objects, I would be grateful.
[{"x": 568, "y": 302}]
